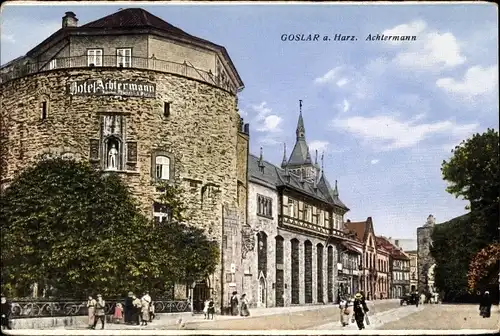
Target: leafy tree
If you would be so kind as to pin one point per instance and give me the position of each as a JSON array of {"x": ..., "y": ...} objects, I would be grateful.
[
  {"x": 472, "y": 174},
  {"x": 79, "y": 230}
]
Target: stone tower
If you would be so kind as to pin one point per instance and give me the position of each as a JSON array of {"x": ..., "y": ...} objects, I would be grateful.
[{"x": 425, "y": 260}]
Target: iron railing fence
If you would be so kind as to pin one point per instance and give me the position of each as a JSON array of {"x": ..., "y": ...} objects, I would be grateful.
[
  {"x": 112, "y": 61},
  {"x": 35, "y": 308}
]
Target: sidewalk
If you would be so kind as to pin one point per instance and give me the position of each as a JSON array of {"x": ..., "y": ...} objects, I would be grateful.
[{"x": 179, "y": 321}]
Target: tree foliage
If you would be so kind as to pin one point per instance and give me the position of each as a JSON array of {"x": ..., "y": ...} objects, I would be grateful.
[
  {"x": 79, "y": 230},
  {"x": 472, "y": 174},
  {"x": 483, "y": 266}
]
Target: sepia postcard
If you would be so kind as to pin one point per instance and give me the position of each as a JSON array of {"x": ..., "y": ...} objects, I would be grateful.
[{"x": 257, "y": 168}]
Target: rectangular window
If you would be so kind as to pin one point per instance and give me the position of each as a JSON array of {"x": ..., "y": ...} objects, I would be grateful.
[
  {"x": 161, "y": 213},
  {"x": 53, "y": 64},
  {"x": 43, "y": 110},
  {"x": 166, "y": 109},
  {"x": 264, "y": 206},
  {"x": 124, "y": 58},
  {"x": 94, "y": 57},
  {"x": 162, "y": 167}
]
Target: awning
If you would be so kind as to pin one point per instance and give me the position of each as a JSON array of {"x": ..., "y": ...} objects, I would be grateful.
[{"x": 353, "y": 247}]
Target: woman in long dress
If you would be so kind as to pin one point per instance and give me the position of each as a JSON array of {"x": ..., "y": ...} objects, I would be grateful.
[
  {"x": 344, "y": 312},
  {"x": 91, "y": 303},
  {"x": 144, "y": 312},
  {"x": 244, "y": 306}
]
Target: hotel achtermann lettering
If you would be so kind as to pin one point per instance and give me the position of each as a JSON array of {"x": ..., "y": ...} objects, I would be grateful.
[{"x": 112, "y": 87}]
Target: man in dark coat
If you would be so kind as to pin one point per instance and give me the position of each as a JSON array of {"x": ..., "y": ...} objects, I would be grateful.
[
  {"x": 129, "y": 307},
  {"x": 6, "y": 310},
  {"x": 485, "y": 305},
  {"x": 360, "y": 309}
]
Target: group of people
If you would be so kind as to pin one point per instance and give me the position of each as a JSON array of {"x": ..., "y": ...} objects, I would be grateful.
[
  {"x": 359, "y": 310},
  {"x": 239, "y": 305},
  {"x": 135, "y": 311}
]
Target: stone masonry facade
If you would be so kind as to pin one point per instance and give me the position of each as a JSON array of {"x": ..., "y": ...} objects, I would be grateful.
[{"x": 202, "y": 134}]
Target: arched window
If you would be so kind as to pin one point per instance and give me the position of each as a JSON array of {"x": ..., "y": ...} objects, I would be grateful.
[{"x": 162, "y": 167}]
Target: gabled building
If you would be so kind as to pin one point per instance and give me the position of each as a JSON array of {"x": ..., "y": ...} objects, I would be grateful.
[
  {"x": 294, "y": 229},
  {"x": 364, "y": 233},
  {"x": 399, "y": 268}
]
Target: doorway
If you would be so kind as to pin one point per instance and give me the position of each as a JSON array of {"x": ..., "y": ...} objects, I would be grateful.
[
  {"x": 201, "y": 292},
  {"x": 262, "y": 292}
]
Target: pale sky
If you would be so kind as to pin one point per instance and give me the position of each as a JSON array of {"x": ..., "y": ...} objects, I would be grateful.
[{"x": 386, "y": 114}]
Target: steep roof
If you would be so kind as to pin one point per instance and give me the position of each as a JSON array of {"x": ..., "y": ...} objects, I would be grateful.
[
  {"x": 273, "y": 177},
  {"x": 395, "y": 251},
  {"x": 358, "y": 228},
  {"x": 137, "y": 18},
  {"x": 300, "y": 154}
]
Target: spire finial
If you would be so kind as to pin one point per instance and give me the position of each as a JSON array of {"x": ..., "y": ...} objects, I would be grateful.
[
  {"x": 261, "y": 156},
  {"x": 300, "y": 131},
  {"x": 336, "y": 191},
  {"x": 322, "y": 161},
  {"x": 283, "y": 162}
]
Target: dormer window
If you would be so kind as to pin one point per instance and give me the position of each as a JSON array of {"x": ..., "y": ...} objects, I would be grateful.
[
  {"x": 94, "y": 57},
  {"x": 124, "y": 57}
]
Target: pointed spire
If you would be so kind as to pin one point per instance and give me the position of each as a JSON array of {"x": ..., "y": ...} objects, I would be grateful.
[
  {"x": 300, "y": 131},
  {"x": 322, "y": 162},
  {"x": 336, "y": 190},
  {"x": 316, "y": 158},
  {"x": 283, "y": 163},
  {"x": 261, "y": 161}
]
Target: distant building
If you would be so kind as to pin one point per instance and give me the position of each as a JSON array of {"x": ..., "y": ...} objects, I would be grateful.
[
  {"x": 399, "y": 268},
  {"x": 409, "y": 246},
  {"x": 374, "y": 278}
]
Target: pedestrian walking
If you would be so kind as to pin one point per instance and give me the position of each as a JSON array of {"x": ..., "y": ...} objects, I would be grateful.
[
  {"x": 211, "y": 309},
  {"x": 344, "y": 311},
  {"x": 234, "y": 304},
  {"x": 5, "y": 311},
  {"x": 100, "y": 313},
  {"x": 91, "y": 303},
  {"x": 118, "y": 315},
  {"x": 360, "y": 309},
  {"x": 151, "y": 311},
  {"x": 129, "y": 308},
  {"x": 244, "y": 311},
  {"x": 485, "y": 305}
]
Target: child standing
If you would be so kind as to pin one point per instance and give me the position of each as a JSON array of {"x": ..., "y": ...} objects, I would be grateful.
[
  {"x": 205, "y": 309},
  {"x": 118, "y": 315}
]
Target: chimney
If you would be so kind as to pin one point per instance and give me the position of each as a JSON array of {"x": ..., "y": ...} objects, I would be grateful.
[{"x": 69, "y": 20}]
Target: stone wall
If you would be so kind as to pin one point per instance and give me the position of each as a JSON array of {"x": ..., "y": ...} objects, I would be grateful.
[{"x": 200, "y": 133}]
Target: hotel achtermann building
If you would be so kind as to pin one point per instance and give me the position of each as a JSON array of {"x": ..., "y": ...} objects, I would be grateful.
[{"x": 137, "y": 96}]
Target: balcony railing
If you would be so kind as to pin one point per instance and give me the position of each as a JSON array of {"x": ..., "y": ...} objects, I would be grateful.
[
  {"x": 31, "y": 309},
  {"x": 110, "y": 61},
  {"x": 299, "y": 223}
]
